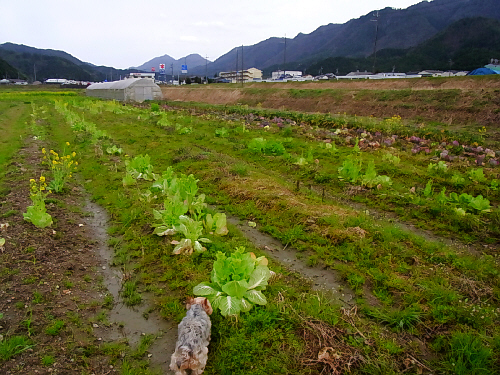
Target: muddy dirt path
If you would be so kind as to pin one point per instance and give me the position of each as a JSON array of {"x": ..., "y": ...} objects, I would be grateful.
[
  {"x": 128, "y": 323},
  {"x": 321, "y": 278}
]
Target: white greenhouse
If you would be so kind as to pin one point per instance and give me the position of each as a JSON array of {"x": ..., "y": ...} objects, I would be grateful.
[{"x": 127, "y": 90}]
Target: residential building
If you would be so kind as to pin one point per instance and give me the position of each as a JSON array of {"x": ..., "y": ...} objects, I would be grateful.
[
  {"x": 280, "y": 74},
  {"x": 248, "y": 75}
]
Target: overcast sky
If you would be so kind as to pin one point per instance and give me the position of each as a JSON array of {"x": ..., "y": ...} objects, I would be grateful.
[{"x": 128, "y": 33}]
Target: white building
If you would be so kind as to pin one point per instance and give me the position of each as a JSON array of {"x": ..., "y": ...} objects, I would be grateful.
[
  {"x": 142, "y": 75},
  {"x": 285, "y": 74},
  {"x": 129, "y": 90}
]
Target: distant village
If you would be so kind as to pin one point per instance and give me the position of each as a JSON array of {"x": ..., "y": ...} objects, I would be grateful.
[{"x": 256, "y": 75}]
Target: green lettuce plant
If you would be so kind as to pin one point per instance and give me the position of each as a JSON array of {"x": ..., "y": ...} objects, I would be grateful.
[
  {"x": 221, "y": 132},
  {"x": 480, "y": 204},
  {"x": 113, "y": 150},
  {"x": 192, "y": 231},
  {"x": 236, "y": 283},
  {"x": 476, "y": 175},
  {"x": 371, "y": 179},
  {"x": 169, "y": 217},
  {"x": 216, "y": 224},
  {"x": 140, "y": 167},
  {"x": 350, "y": 170},
  {"x": 37, "y": 213}
]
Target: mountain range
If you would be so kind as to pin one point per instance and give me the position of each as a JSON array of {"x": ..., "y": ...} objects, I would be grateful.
[
  {"x": 397, "y": 28},
  {"x": 394, "y": 34},
  {"x": 192, "y": 61}
]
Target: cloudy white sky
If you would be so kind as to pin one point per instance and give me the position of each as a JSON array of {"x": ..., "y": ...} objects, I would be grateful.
[{"x": 128, "y": 33}]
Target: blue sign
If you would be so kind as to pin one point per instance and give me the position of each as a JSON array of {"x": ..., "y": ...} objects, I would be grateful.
[{"x": 184, "y": 69}]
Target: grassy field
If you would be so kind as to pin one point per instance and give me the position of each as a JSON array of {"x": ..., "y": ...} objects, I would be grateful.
[{"x": 405, "y": 213}]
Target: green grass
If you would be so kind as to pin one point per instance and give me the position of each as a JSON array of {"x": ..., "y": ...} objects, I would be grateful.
[
  {"x": 12, "y": 346},
  {"x": 420, "y": 285},
  {"x": 55, "y": 328}
]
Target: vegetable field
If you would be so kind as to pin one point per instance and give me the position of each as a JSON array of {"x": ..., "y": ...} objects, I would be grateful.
[{"x": 206, "y": 200}]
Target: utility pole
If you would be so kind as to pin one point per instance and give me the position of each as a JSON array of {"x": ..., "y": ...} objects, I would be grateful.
[
  {"x": 376, "y": 38},
  {"x": 206, "y": 68},
  {"x": 242, "y": 67},
  {"x": 172, "y": 68},
  {"x": 284, "y": 61},
  {"x": 236, "y": 71},
  {"x": 34, "y": 71}
]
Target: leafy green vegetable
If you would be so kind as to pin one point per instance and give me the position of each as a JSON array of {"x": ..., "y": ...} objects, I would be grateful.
[
  {"x": 216, "y": 224},
  {"x": 192, "y": 231},
  {"x": 263, "y": 146},
  {"x": 221, "y": 132},
  {"x": 140, "y": 167},
  {"x": 237, "y": 282},
  {"x": 480, "y": 204},
  {"x": 440, "y": 167},
  {"x": 476, "y": 175},
  {"x": 37, "y": 215},
  {"x": 428, "y": 189},
  {"x": 169, "y": 217},
  {"x": 113, "y": 150},
  {"x": 350, "y": 170}
]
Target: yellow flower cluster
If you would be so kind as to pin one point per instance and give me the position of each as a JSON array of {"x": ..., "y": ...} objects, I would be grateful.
[
  {"x": 36, "y": 187},
  {"x": 62, "y": 167}
]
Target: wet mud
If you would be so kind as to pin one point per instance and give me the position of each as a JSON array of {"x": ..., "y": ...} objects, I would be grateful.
[{"x": 128, "y": 323}]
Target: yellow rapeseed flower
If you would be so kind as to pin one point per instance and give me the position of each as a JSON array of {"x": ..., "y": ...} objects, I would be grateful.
[
  {"x": 73, "y": 154},
  {"x": 67, "y": 143},
  {"x": 42, "y": 178},
  {"x": 76, "y": 163},
  {"x": 43, "y": 150},
  {"x": 54, "y": 162},
  {"x": 32, "y": 180}
]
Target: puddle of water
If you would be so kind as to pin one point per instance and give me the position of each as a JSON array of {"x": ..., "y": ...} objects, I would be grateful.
[
  {"x": 322, "y": 279},
  {"x": 128, "y": 322}
]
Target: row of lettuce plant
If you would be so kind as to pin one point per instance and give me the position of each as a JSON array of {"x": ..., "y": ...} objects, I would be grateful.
[
  {"x": 237, "y": 280},
  {"x": 389, "y": 126}
]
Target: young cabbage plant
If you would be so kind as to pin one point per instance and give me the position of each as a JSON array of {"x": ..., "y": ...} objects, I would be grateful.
[
  {"x": 236, "y": 283},
  {"x": 216, "y": 224},
  {"x": 140, "y": 167},
  {"x": 350, "y": 170},
  {"x": 192, "y": 231},
  {"x": 169, "y": 217},
  {"x": 166, "y": 185},
  {"x": 480, "y": 204}
]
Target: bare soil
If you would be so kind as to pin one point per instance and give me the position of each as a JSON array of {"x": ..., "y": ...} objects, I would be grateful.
[{"x": 59, "y": 264}]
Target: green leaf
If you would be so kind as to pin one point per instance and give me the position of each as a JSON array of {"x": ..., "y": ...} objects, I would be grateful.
[
  {"x": 220, "y": 224},
  {"x": 128, "y": 180},
  {"x": 235, "y": 288},
  {"x": 256, "y": 297},
  {"x": 245, "y": 305},
  {"x": 2, "y": 242},
  {"x": 206, "y": 289},
  {"x": 230, "y": 306},
  {"x": 163, "y": 230},
  {"x": 259, "y": 277}
]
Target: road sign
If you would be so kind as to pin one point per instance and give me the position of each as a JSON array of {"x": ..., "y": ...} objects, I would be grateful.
[
  {"x": 153, "y": 69},
  {"x": 184, "y": 69},
  {"x": 162, "y": 66}
]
